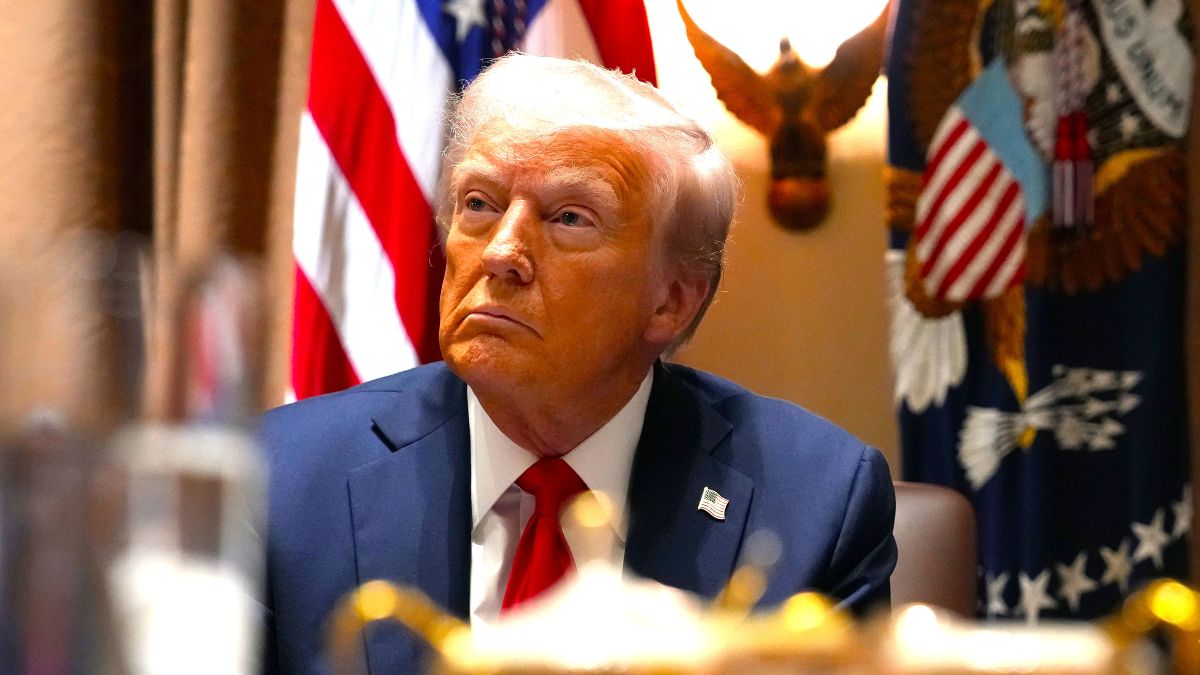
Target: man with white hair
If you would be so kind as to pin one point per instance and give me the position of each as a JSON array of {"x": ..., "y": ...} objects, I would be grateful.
[{"x": 584, "y": 220}]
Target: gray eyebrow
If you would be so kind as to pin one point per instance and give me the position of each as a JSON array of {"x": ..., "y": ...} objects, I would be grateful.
[
  {"x": 587, "y": 181},
  {"x": 482, "y": 169}
]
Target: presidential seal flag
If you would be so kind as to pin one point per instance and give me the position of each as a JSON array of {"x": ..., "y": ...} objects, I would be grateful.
[
  {"x": 367, "y": 265},
  {"x": 1039, "y": 368}
]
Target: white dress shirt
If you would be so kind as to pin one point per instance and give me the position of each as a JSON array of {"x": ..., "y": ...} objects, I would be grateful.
[{"x": 500, "y": 509}]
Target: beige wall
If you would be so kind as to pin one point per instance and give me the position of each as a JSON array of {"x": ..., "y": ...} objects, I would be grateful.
[{"x": 799, "y": 316}]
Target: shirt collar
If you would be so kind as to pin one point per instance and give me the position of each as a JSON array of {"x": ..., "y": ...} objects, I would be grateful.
[{"x": 603, "y": 460}]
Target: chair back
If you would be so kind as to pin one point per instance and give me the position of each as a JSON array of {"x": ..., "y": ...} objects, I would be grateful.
[{"x": 935, "y": 536}]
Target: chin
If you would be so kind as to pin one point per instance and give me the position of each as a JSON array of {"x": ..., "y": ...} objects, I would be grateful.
[{"x": 488, "y": 362}]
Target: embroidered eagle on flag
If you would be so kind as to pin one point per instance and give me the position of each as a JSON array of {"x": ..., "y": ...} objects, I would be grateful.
[{"x": 983, "y": 188}]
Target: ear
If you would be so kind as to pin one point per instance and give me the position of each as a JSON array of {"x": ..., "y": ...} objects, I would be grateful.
[{"x": 678, "y": 306}]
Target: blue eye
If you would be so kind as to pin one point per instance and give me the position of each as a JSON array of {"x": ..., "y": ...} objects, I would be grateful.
[
  {"x": 571, "y": 218},
  {"x": 475, "y": 204}
]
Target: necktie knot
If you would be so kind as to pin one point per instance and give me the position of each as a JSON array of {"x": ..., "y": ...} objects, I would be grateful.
[{"x": 552, "y": 482}]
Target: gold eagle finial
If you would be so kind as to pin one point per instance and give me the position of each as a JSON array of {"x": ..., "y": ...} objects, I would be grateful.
[{"x": 794, "y": 108}]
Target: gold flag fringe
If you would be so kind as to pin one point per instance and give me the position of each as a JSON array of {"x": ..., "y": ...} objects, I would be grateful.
[
  {"x": 1140, "y": 209},
  {"x": 942, "y": 58},
  {"x": 903, "y": 188}
]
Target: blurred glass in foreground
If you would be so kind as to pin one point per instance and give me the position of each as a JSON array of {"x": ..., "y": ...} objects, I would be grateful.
[{"x": 126, "y": 545}]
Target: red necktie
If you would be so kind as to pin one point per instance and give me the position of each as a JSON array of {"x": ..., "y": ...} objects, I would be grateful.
[{"x": 543, "y": 556}]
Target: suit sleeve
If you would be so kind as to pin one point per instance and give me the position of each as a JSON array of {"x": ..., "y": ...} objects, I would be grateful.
[
  {"x": 865, "y": 554},
  {"x": 269, "y": 662},
  {"x": 268, "y": 647}
]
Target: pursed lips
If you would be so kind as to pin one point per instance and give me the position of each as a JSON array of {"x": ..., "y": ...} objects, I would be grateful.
[{"x": 491, "y": 312}]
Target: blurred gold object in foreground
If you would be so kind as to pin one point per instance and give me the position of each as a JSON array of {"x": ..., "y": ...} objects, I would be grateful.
[
  {"x": 807, "y": 634},
  {"x": 379, "y": 601},
  {"x": 1171, "y": 605},
  {"x": 599, "y": 621},
  {"x": 923, "y": 639},
  {"x": 643, "y": 629}
]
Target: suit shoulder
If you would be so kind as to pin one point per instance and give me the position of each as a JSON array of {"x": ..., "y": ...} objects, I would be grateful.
[
  {"x": 746, "y": 410},
  {"x": 413, "y": 382},
  {"x": 415, "y": 400}
]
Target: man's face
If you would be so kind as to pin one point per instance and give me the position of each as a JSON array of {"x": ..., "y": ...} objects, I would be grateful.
[{"x": 553, "y": 271}]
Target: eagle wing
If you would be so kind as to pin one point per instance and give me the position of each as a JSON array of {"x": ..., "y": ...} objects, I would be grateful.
[
  {"x": 744, "y": 92},
  {"x": 842, "y": 88}
]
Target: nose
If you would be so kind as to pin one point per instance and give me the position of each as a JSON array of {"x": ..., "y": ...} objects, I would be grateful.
[{"x": 507, "y": 255}]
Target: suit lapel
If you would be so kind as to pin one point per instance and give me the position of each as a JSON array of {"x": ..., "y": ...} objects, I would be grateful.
[
  {"x": 669, "y": 539},
  {"x": 411, "y": 513}
]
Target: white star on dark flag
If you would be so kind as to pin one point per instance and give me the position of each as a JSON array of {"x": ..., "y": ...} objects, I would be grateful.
[
  {"x": 1117, "y": 565},
  {"x": 1128, "y": 125},
  {"x": 995, "y": 593},
  {"x": 1113, "y": 93},
  {"x": 1152, "y": 538},
  {"x": 467, "y": 14},
  {"x": 1073, "y": 581},
  {"x": 1033, "y": 595}
]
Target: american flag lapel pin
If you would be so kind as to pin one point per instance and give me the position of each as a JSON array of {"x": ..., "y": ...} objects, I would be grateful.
[{"x": 712, "y": 503}]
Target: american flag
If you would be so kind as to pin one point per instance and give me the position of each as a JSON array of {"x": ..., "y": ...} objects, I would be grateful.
[
  {"x": 983, "y": 184},
  {"x": 367, "y": 267},
  {"x": 712, "y": 503}
]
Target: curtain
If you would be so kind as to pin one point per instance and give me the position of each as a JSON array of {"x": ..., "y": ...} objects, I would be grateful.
[{"x": 165, "y": 124}]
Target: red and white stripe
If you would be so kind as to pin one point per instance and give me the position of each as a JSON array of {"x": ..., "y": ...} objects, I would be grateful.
[
  {"x": 367, "y": 268},
  {"x": 970, "y": 238}
]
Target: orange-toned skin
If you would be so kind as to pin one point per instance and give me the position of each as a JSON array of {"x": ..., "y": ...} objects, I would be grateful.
[{"x": 556, "y": 300}]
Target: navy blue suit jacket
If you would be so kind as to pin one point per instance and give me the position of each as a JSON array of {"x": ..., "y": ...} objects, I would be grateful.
[{"x": 374, "y": 482}]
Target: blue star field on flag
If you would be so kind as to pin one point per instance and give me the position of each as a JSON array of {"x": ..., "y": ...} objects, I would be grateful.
[{"x": 471, "y": 32}]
